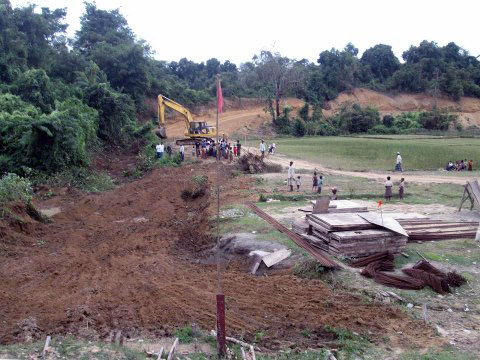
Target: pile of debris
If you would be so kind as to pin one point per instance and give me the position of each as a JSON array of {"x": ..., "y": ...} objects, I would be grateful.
[{"x": 254, "y": 164}]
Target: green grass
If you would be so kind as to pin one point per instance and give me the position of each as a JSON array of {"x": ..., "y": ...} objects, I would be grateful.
[{"x": 366, "y": 154}]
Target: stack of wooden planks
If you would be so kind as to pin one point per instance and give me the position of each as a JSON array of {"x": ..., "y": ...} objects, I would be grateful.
[
  {"x": 339, "y": 206},
  {"x": 349, "y": 235},
  {"x": 431, "y": 230}
]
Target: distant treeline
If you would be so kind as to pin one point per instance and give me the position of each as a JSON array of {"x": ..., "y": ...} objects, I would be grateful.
[{"x": 61, "y": 97}]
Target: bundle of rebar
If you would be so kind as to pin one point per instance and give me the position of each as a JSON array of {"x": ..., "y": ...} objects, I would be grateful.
[
  {"x": 375, "y": 266},
  {"x": 452, "y": 278},
  {"x": 437, "y": 283},
  {"x": 381, "y": 256}
]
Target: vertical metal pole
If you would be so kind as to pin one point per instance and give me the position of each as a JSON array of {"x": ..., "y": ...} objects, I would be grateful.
[{"x": 220, "y": 297}]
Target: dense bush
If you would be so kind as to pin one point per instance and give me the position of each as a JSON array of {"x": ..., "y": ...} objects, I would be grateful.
[
  {"x": 14, "y": 188},
  {"x": 353, "y": 119}
]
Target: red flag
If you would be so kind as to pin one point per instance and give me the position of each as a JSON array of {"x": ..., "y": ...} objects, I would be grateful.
[
  {"x": 219, "y": 96},
  {"x": 380, "y": 203}
]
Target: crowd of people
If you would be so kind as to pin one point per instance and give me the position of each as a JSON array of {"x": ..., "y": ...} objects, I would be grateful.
[
  {"x": 459, "y": 165},
  {"x": 318, "y": 181},
  {"x": 204, "y": 149}
]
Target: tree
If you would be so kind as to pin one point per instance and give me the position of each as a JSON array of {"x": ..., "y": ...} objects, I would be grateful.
[
  {"x": 276, "y": 76},
  {"x": 381, "y": 61}
]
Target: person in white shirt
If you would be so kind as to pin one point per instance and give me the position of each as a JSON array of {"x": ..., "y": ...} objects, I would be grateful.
[
  {"x": 291, "y": 176},
  {"x": 298, "y": 182},
  {"x": 388, "y": 189},
  {"x": 273, "y": 148},
  {"x": 398, "y": 167},
  {"x": 160, "y": 148},
  {"x": 262, "y": 148},
  {"x": 182, "y": 152}
]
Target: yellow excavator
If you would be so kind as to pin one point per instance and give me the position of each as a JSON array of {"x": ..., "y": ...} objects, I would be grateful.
[{"x": 195, "y": 131}]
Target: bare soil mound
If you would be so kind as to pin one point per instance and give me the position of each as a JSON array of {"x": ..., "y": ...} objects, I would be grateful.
[{"x": 112, "y": 261}]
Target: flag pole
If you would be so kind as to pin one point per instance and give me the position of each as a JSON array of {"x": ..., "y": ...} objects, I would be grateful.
[{"x": 221, "y": 333}]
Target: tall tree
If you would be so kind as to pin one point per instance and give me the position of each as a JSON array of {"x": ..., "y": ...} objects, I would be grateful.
[{"x": 276, "y": 76}]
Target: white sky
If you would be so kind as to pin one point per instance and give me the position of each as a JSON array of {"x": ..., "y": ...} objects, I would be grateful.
[{"x": 236, "y": 30}]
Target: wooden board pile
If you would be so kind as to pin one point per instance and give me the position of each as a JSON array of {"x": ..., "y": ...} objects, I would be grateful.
[
  {"x": 340, "y": 206},
  {"x": 348, "y": 235},
  {"x": 431, "y": 230}
]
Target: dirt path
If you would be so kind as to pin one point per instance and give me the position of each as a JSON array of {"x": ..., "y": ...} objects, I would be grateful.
[
  {"x": 410, "y": 177},
  {"x": 230, "y": 122}
]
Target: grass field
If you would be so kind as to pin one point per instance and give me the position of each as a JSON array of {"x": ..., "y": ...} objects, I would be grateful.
[{"x": 379, "y": 153}]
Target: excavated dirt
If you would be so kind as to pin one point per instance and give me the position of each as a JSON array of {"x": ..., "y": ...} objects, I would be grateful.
[{"x": 136, "y": 259}]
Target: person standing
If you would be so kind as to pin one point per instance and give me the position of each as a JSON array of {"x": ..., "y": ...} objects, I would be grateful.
[
  {"x": 291, "y": 176},
  {"x": 234, "y": 150},
  {"x": 161, "y": 150},
  {"x": 157, "y": 150},
  {"x": 388, "y": 189},
  {"x": 298, "y": 183},
  {"x": 262, "y": 148},
  {"x": 239, "y": 147},
  {"x": 401, "y": 188},
  {"x": 320, "y": 184},
  {"x": 182, "y": 152},
  {"x": 315, "y": 182},
  {"x": 273, "y": 148},
  {"x": 470, "y": 165},
  {"x": 230, "y": 153},
  {"x": 398, "y": 166},
  {"x": 193, "y": 151}
]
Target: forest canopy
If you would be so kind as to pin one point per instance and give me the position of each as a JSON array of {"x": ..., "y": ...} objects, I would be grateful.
[{"x": 61, "y": 97}]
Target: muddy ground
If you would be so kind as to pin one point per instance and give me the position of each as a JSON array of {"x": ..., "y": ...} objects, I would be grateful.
[{"x": 138, "y": 259}]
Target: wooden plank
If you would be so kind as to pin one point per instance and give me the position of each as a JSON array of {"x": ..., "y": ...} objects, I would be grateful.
[
  {"x": 160, "y": 353},
  {"x": 387, "y": 223},
  {"x": 276, "y": 257},
  {"x": 172, "y": 349},
  {"x": 346, "y": 221},
  {"x": 321, "y": 205},
  {"x": 474, "y": 186},
  {"x": 363, "y": 234},
  {"x": 47, "y": 344}
]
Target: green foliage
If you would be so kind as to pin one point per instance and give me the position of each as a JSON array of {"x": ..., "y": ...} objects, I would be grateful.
[
  {"x": 34, "y": 86},
  {"x": 351, "y": 343},
  {"x": 355, "y": 119},
  {"x": 436, "y": 119},
  {"x": 299, "y": 127},
  {"x": 184, "y": 335},
  {"x": 15, "y": 188}
]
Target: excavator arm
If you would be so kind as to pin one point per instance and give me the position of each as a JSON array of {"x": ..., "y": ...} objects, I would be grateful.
[
  {"x": 192, "y": 129},
  {"x": 164, "y": 101}
]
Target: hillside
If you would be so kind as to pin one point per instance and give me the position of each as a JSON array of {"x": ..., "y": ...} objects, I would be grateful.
[{"x": 467, "y": 108}]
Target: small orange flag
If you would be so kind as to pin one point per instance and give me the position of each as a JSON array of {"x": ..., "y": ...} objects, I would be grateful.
[{"x": 380, "y": 203}]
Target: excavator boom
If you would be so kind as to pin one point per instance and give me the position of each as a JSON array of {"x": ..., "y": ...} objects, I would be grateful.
[{"x": 194, "y": 130}]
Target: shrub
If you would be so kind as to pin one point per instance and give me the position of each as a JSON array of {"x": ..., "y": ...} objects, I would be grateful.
[
  {"x": 388, "y": 120},
  {"x": 299, "y": 128},
  {"x": 436, "y": 119},
  {"x": 355, "y": 119},
  {"x": 15, "y": 188}
]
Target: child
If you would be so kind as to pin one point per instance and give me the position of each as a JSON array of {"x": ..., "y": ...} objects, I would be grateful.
[
  {"x": 388, "y": 189},
  {"x": 230, "y": 153},
  {"x": 193, "y": 151},
  {"x": 315, "y": 182},
  {"x": 298, "y": 182},
  {"x": 334, "y": 194},
  {"x": 234, "y": 151},
  {"x": 401, "y": 188},
  {"x": 320, "y": 184}
]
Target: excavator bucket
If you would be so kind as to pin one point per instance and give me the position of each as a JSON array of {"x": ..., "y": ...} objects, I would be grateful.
[{"x": 161, "y": 132}]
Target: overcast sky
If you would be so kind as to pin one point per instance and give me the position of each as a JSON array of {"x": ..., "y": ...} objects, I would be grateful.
[{"x": 236, "y": 30}]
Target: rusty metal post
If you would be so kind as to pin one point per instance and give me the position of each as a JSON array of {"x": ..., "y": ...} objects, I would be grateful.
[{"x": 221, "y": 341}]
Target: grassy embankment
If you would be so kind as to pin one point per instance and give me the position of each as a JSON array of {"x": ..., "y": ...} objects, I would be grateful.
[{"x": 379, "y": 152}]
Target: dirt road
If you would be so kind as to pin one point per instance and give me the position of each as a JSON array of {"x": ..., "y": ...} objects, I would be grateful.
[
  {"x": 237, "y": 121},
  {"x": 410, "y": 177}
]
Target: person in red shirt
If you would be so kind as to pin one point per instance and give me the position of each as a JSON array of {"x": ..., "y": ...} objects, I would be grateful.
[{"x": 470, "y": 165}]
